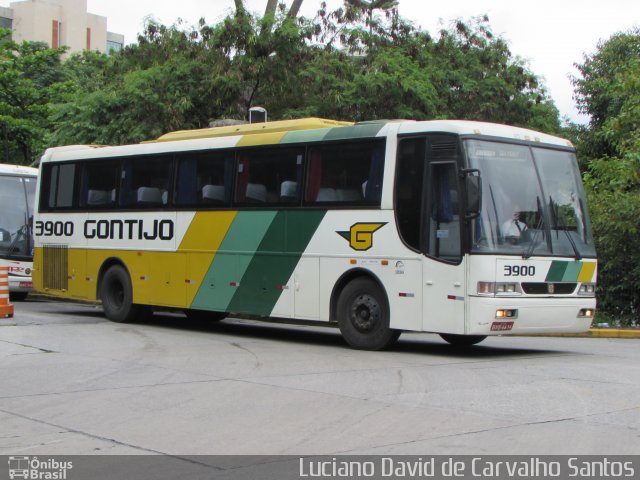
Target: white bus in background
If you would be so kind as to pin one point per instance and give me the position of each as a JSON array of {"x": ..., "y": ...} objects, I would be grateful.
[{"x": 17, "y": 192}]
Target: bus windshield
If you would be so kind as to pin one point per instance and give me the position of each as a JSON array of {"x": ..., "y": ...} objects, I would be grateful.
[
  {"x": 533, "y": 202},
  {"x": 15, "y": 215}
]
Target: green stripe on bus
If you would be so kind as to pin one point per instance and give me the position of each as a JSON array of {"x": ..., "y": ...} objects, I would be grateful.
[
  {"x": 274, "y": 262},
  {"x": 304, "y": 136},
  {"x": 232, "y": 260},
  {"x": 572, "y": 271},
  {"x": 357, "y": 131},
  {"x": 556, "y": 271}
]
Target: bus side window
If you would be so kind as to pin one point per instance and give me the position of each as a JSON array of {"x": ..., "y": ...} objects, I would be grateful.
[
  {"x": 146, "y": 181},
  {"x": 408, "y": 189},
  {"x": 348, "y": 174},
  {"x": 98, "y": 185},
  {"x": 443, "y": 219},
  {"x": 59, "y": 186},
  {"x": 269, "y": 176},
  {"x": 204, "y": 178}
]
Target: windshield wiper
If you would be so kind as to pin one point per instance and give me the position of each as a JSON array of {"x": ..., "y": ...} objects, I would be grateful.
[
  {"x": 11, "y": 249},
  {"x": 529, "y": 251},
  {"x": 562, "y": 226}
]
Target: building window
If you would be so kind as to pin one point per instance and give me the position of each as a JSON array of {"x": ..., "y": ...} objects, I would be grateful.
[
  {"x": 113, "y": 46},
  {"x": 55, "y": 34},
  {"x": 88, "y": 39}
]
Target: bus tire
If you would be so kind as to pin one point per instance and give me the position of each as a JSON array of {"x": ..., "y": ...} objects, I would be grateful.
[
  {"x": 462, "y": 340},
  {"x": 116, "y": 294},
  {"x": 205, "y": 315},
  {"x": 363, "y": 316}
]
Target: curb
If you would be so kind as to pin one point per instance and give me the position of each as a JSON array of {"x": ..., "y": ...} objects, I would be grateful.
[{"x": 597, "y": 333}]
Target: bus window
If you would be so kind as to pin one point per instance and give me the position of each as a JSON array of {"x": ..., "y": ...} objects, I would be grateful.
[
  {"x": 408, "y": 191},
  {"x": 269, "y": 176},
  {"x": 14, "y": 221},
  {"x": 98, "y": 186},
  {"x": 58, "y": 186},
  {"x": 346, "y": 173},
  {"x": 204, "y": 178},
  {"x": 146, "y": 182},
  {"x": 443, "y": 219}
]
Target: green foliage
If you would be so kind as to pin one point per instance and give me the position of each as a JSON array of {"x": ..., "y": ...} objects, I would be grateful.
[
  {"x": 359, "y": 62},
  {"x": 31, "y": 77},
  {"x": 609, "y": 91}
]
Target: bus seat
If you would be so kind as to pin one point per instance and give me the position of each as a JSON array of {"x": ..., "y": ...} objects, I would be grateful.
[
  {"x": 213, "y": 193},
  {"x": 97, "y": 197},
  {"x": 348, "y": 195},
  {"x": 149, "y": 196},
  {"x": 289, "y": 190},
  {"x": 327, "y": 195},
  {"x": 256, "y": 192}
]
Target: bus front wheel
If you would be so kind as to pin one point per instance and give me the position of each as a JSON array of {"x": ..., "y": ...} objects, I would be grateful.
[
  {"x": 363, "y": 316},
  {"x": 116, "y": 294},
  {"x": 462, "y": 340}
]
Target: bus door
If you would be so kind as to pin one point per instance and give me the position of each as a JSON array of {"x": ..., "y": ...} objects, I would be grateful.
[{"x": 444, "y": 265}]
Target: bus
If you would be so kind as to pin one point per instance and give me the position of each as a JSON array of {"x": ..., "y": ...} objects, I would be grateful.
[
  {"x": 17, "y": 193},
  {"x": 458, "y": 228}
]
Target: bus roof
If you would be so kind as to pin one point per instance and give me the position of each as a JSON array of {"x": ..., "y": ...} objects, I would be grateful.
[
  {"x": 21, "y": 170},
  {"x": 466, "y": 127},
  {"x": 297, "y": 131},
  {"x": 252, "y": 129}
]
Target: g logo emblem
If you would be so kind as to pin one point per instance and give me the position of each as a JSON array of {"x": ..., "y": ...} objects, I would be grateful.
[{"x": 360, "y": 236}]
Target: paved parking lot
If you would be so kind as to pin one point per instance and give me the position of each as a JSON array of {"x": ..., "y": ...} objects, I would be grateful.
[{"x": 73, "y": 383}]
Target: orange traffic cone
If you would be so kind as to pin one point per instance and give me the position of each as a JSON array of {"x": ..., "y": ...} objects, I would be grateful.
[{"x": 6, "y": 309}]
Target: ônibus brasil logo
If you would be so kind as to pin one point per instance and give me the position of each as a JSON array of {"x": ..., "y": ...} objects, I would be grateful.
[
  {"x": 33, "y": 468},
  {"x": 360, "y": 235}
]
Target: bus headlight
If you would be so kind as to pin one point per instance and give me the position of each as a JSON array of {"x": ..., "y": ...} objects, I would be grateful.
[
  {"x": 499, "y": 288},
  {"x": 587, "y": 290},
  {"x": 586, "y": 313},
  {"x": 507, "y": 313}
]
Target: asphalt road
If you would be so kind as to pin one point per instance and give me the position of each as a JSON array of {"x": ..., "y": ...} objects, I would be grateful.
[{"x": 73, "y": 383}]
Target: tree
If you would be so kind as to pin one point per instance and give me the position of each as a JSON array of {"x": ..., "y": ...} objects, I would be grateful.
[
  {"x": 361, "y": 61},
  {"x": 609, "y": 91},
  {"x": 31, "y": 78}
]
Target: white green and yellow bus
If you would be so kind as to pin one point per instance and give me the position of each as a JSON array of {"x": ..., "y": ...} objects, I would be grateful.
[
  {"x": 460, "y": 228},
  {"x": 17, "y": 193}
]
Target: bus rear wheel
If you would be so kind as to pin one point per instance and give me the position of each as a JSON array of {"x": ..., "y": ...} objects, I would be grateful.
[
  {"x": 116, "y": 294},
  {"x": 462, "y": 340},
  {"x": 363, "y": 316}
]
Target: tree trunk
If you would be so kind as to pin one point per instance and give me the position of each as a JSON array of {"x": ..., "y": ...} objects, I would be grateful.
[
  {"x": 240, "y": 10},
  {"x": 295, "y": 9},
  {"x": 271, "y": 7}
]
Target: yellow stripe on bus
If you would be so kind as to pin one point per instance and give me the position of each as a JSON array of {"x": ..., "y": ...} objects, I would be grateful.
[
  {"x": 587, "y": 271},
  {"x": 202, "y": 240}
]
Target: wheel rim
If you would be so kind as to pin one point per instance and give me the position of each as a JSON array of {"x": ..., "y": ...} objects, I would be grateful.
[
  {"x": 116, "y": 295},
  {"x": 365, "y": 313}
]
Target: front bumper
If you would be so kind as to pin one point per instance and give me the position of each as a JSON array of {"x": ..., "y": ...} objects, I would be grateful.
[{"x": 534, "y": 315}]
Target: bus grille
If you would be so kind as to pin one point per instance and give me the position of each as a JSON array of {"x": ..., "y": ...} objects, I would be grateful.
[
  {"x": 545, "y": 288},
  {"x": 55, "y": 261}
]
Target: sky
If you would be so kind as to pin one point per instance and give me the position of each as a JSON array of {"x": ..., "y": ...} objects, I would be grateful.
[{"x": 551, "y": 35}]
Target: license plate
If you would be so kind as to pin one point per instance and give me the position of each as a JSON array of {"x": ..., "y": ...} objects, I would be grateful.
[
  {"x": 26, "y": 285},
  {"x": 501, "y": 326}
]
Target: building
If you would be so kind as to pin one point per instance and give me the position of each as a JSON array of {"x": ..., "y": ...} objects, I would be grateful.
[{"x": 58, "y": 23}]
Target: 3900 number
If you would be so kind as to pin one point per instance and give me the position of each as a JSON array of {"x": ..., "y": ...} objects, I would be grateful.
[
  {"x": 54, "y": 229},
  {"x": 519, "y": 271}
]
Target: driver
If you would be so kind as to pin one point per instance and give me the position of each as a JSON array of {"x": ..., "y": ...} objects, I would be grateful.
[{"x": 513, "y": 228}]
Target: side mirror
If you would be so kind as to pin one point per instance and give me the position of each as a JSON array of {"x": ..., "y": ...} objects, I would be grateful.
[{"x": 473, "y": 189}]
